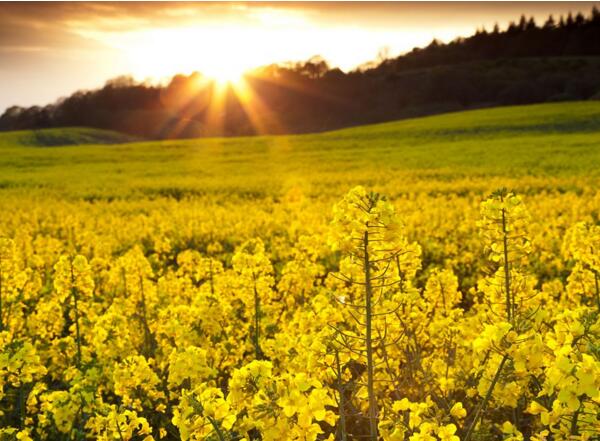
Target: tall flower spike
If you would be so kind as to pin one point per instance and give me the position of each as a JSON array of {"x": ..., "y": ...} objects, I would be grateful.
[
  {"x": 377, "y": 257},
  {"x": 503, "y": 227},
  {"x": 73, "y": 278},
  {"x": 7, "y": 273},
  {"x": 255, "y": 274},
  {"x": 582, "y": 244}
]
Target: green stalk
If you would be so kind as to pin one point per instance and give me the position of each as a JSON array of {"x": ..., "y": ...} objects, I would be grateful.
[
  {"x": 21, "y": 407},
  {"x": 216, "y": 427},
  {"x": 486, "y": 399},
  {"x": 257, "y": 350},
  {"x": 76, "y": 310},
  {"x": 574, "y": 430},
  {"x": 341, "y": 404},
  {"x": 597, "y": 282},
  {"x": 149, "y": 342},
  {"x": 212, "y": 286},
  {"x": 119, "y": 430},
  {"x": 369, "y": 342},
  {"x": 509, "y": 299}
]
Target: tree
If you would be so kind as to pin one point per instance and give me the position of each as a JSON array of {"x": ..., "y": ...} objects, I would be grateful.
[
  {"x": 522, "y": 23},
  {"x": 561, "y": 22},
  {"x": 512, "y": 28},
  {"x": 550, "y": 23},
  {"x": 595, "y": 18}
]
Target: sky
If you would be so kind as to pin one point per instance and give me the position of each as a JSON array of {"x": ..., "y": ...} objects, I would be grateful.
[{"x": 51, "y": 49}]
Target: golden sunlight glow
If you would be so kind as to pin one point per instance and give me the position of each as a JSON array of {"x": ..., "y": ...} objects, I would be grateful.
[
  {"x": 163, "y": 52},
  {"x": 225, "y": 50},
  {"x": 82, "y": 47},
  {"x": 225, "y": 72}
]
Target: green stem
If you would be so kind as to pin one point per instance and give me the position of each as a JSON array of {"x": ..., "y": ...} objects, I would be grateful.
[
  {"x": 369, "y": 342},
  {"x": 216, "y": 427},
  {"x": 21, "y": 407},
  {"x": 119, "y": 429},
  {"x": 597, "y": 282},
  {"x": 574, "y": 423},
  {"x": 76, "y": 310},
  {"x": 342, "y": 404},
  {"x": 487, "y": 397},
  {"x": 148, "y": 337},
  {"x": 257, "y": 350},
  {"x": 509, "y": 302},
  {"x": 212, "y": 285}
]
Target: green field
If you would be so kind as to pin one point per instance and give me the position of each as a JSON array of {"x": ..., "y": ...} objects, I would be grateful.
[{"x": 551, "y": 140}]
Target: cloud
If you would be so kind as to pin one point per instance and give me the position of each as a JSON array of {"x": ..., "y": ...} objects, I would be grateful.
[{"x": 60, "y": 24}]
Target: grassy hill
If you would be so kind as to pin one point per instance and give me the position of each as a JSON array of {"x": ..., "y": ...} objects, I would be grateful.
[
  {"x": 61, "y": 137},
  {"x": 546, "y": 142}
]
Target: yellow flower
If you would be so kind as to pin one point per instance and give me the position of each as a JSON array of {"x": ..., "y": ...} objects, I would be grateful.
[
  {"x": 447, "y": 433},
  {"x": 458, "y": 411}
]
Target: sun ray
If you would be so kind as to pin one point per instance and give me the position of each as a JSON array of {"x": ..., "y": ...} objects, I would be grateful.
[
  {"x": 214, "y": 117},
  {"x": 263, "y": 119},
  {"x": 188, "y": 100}
]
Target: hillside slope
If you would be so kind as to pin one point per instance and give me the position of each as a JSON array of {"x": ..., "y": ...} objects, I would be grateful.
[
  {"x": 541, "y": 141},
  {"x": 61, "y": 137},
  {"x": 542, "y": 119}
]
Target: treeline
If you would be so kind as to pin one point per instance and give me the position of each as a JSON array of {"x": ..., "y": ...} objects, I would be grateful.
[
  {"x": 574, "y": 36},
  {"x": 525, "y": 63}
]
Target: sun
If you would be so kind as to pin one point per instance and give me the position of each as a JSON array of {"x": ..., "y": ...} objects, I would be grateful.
[
  {"x": 161, "y": 53},
  {"x": 225, "y": 73}
]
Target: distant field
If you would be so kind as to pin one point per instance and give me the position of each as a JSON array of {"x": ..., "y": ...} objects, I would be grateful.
[
  {"x": 61, "y": 137},
  {"x": 549, "y": 140}
]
